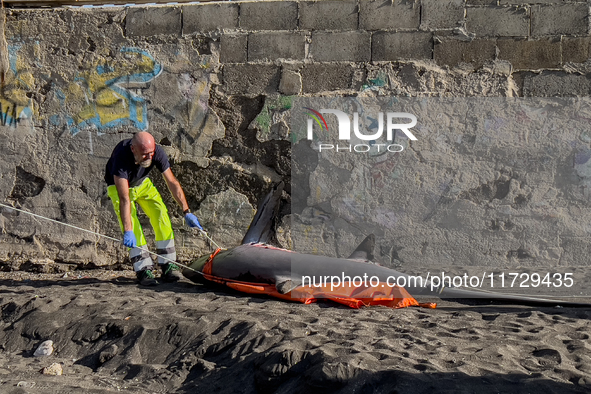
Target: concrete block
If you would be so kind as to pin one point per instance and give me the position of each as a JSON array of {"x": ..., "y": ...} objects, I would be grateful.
[
  {"x": 556, "y": 83},
  {"x": 481, "y": 2},
  {"x": 329, "y": 15},
  {"x": 498, "y": 21},
  {"x": 560, "y": 19},
  {"x": 203, "y": 18},
  {"x": 530, "y": 55},
  {"x": 520, "y": 2},
  {"x": 318, "y": 77},
  {"x": 352, "y": 46},
  {"x": 290, "y": 83},
  {"x": 151, "y": 21},
  {"x": 388, "y": 14},
  {"x": 388, "y": 46},
  {"x": 575, "y": 49},
  {"x": 442, "y": 14},
  {"x": 233, "y": 48},
  {"x": 451, "y": 52},
  {"x": 276, "y": 45},
  {"x": 251, "y": 79},
  {"x": 272, "y": 15}
]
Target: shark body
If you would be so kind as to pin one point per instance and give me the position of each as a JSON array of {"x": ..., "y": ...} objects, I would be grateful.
[{"x": 255, "y": 267}]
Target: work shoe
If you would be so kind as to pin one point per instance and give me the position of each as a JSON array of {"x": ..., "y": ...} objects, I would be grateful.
[
  {"x": 146, "y": 277},
  {"x": 170, "y": 272}
]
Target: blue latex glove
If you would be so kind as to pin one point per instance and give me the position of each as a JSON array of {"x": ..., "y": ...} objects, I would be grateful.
[
  {"x": 129, "y": 239},
  {"x": 192, "y": 221}
]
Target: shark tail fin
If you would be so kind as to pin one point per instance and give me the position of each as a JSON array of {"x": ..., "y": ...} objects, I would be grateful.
[
  {"x": 261, "y": 227},
  {"x": 365, "y": 249}
]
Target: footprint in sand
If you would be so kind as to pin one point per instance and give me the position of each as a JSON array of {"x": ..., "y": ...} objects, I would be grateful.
[
  {"x": 576, "y": 346},
  {"x": 422, "y": 365},
  {"x": 488, "y": 317},
  {"x": 543, "y": 359},
  {"x": 550, "y": 355},
  {"x": 579, "y": 335},
  {"x": 427, "y": 324}
]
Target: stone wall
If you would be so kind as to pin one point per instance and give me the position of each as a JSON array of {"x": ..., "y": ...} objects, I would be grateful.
[{"x": 214, "y": 84}]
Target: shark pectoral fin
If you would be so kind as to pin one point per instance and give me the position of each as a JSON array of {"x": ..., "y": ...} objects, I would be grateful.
[
  {"x": 285, "y": 284},
  {"x": 365, "y": 249}
]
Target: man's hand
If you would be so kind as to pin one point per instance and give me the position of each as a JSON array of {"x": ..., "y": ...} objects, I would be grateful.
[
  {"x": 192, "y": 221},
  {"x": 129, "y": 239}
]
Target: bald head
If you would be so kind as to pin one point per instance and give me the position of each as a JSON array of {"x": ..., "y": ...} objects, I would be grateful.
[
  {"x": 143, "y": 147},
  {"x": 143, "y": 139}
]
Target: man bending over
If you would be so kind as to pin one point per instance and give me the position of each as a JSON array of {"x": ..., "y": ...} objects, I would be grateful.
[{"x": 126, "y": 175}]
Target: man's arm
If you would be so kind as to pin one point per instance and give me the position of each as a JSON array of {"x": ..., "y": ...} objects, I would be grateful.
[
  {"x": 177, "y": 192},
  {"x": 175, "y": 189},
  {"x": 122, "y": 185}
]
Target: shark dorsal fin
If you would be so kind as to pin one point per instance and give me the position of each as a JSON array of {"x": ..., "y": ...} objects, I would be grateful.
[
  {"x": 365, "y": 249},
  {"x": 261, "y": 227}
]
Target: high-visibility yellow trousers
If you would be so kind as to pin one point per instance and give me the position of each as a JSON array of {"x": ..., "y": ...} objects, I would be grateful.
[{"x": 148, "y": 198}]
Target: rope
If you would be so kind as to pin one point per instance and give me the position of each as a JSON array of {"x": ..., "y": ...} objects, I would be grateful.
[
  {"x": 210, "y": 240},
  {"x": 106, "y": 236}
]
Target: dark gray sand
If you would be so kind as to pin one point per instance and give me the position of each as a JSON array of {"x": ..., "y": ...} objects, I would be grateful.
[{"x": 110, "y": 335}]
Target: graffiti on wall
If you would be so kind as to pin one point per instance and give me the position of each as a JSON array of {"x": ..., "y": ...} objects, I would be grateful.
[
  {"x": 273, "y": 118},
  {"x": 380, "y": 81},
  {"x": 15, "y": 105},
  {"x": 109, "y": 94}
]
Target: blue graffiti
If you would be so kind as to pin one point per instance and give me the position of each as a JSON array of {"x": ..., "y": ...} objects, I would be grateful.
[{"x": 109, "y": 100}]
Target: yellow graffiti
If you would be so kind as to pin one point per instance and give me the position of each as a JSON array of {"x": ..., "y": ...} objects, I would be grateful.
[
  {"x": 14, "y": 103},
  {"x": 103, "y": 95}
]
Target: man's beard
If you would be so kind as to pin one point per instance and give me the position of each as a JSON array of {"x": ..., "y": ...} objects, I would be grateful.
[{"x": 145, "y": 163}]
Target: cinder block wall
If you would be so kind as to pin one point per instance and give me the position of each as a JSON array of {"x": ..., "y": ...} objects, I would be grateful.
[
  {"x": 213, "y": 81},
  {"x": 535, "y": 40}
]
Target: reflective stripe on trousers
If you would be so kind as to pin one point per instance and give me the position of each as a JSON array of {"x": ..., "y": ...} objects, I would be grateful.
[
  {"x": 140, "y": 258},
  {"x": 166, "y": 251}
]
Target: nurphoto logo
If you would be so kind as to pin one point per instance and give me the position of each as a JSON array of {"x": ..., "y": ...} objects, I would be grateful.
[{"x": 344, "y": 124}]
